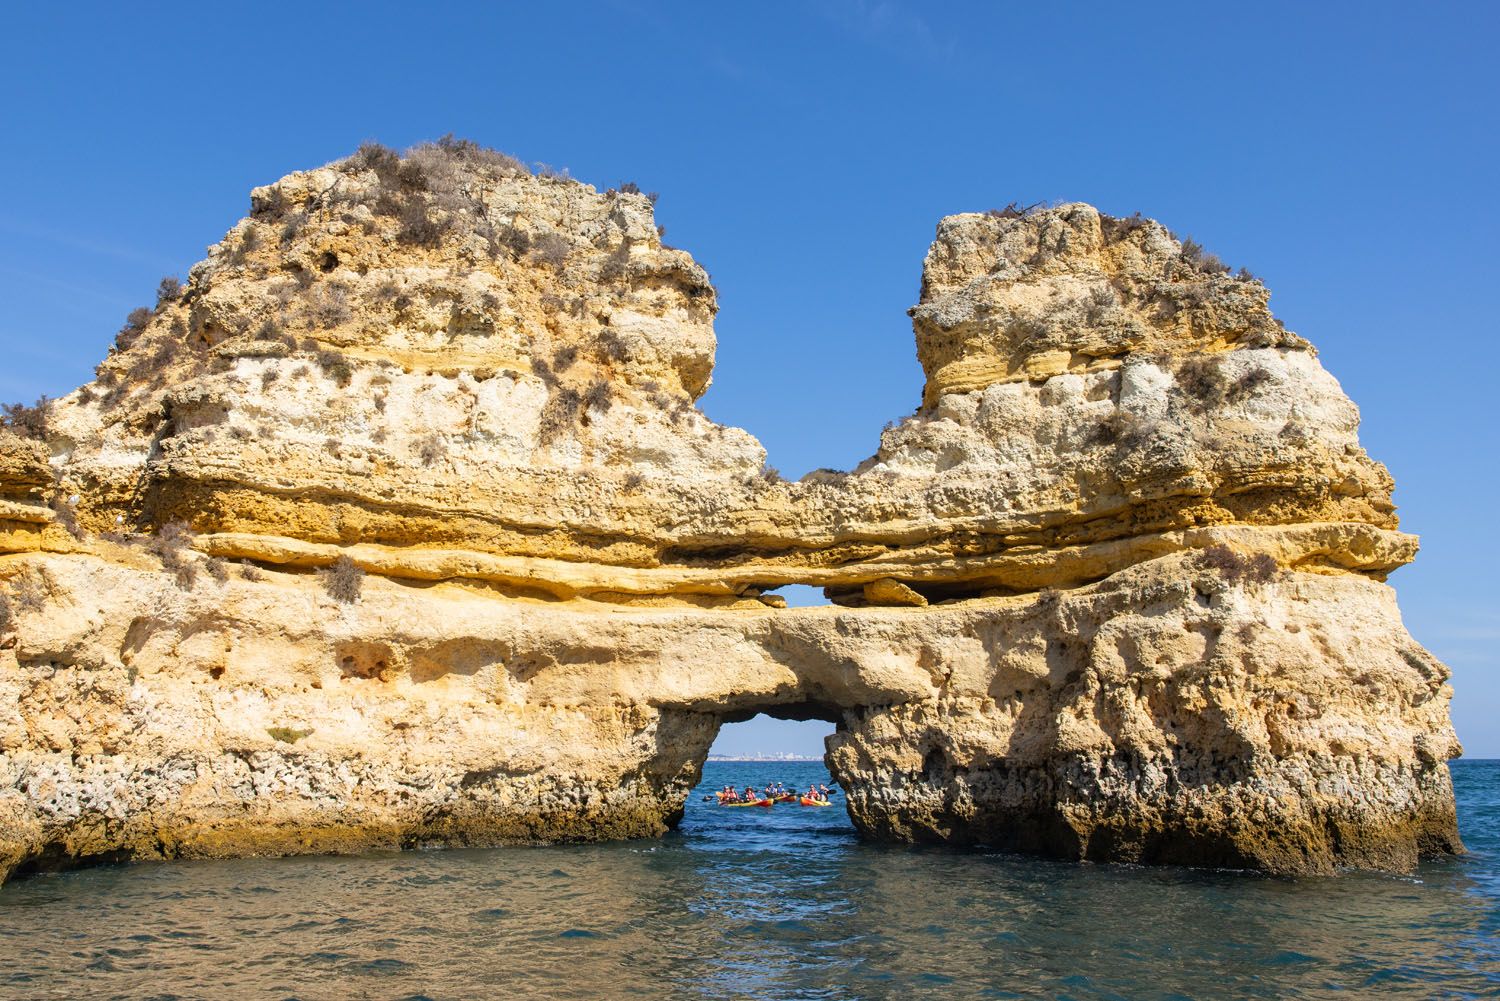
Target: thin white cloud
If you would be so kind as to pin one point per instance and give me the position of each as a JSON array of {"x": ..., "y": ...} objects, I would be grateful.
[
  {"x": 38, "y": 347},
  {"x": 710, "y": 54},
  {"x": 890, "y": 25},
  {"x": 1468, "y": 633},
  {"x": 101, "y": 295},
  {"x": 87, "y": 245}
]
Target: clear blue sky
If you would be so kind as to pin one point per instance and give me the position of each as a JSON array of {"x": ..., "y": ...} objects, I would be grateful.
[{"x": 1345, "y": 152}]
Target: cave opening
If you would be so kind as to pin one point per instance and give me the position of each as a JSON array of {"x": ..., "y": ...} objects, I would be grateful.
[{"x": 780, "y": 752}]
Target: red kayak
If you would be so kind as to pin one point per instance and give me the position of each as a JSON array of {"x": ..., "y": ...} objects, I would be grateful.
[{"x": 753, "y": 802}]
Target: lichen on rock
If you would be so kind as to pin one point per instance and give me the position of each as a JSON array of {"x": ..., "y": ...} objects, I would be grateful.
[{"x": 1115, "y": 590}]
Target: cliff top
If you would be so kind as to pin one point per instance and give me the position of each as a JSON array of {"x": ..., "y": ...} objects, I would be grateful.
[{"x": 444, "y": 365}]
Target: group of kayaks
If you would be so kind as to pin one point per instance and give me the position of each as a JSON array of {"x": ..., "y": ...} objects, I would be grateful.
[{"x": 804, "y": 800}]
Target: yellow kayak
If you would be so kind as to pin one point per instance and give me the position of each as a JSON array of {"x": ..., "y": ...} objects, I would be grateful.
[
  {"x": 815, "y": 802},
  {"x": 755, "y": 802}
]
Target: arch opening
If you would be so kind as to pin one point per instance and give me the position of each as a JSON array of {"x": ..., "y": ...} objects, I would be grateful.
[
  {"x": 782, "y": 753},
  {"x": 802, "y": 595},
  {"x": 788, "y": 732}
]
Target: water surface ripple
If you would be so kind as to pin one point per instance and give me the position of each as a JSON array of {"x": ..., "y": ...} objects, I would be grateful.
[{"x": 781, "y": 904}]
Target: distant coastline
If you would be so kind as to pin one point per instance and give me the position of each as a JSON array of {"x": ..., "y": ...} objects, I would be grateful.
[{"x": 762, "y": 757}]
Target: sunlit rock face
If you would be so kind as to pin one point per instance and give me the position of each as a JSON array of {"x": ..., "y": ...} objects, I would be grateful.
[{"x": 397, "y": 525}]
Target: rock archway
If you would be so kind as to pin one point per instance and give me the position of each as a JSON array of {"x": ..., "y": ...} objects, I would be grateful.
[
  {"x": 1141, "y": 719},
  {"x": 399, "y": 525}
]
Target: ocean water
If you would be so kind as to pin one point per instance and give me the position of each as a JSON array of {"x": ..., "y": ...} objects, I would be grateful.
[{"x": 766, "y": 903}]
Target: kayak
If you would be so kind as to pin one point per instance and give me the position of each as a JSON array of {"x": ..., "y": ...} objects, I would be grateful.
[
  {"x": 786, "y": 798},
  {"x": 815, "y": 802},
  {"x": 756, "y": 802}
]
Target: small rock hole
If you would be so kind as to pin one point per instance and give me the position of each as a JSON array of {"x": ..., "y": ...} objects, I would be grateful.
[{"x": 933, "y": 765}]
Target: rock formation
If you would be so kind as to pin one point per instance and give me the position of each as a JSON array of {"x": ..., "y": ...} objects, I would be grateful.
[{"x": 397, "y": 525}]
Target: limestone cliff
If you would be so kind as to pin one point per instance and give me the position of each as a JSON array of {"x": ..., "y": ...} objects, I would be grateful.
[{"x": 397, "y": 524}]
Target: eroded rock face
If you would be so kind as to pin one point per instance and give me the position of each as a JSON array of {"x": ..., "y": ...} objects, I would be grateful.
[{"x": 1113, "y": 592}]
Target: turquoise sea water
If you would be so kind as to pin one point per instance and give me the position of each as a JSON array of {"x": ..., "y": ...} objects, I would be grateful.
[{"x": 778, "y": 903}]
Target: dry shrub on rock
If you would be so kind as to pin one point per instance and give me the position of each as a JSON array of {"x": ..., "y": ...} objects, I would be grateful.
[
  {"x": 172, "y": 544},
  {"x": 336, "y": 367},
  {"x": 419, "y": 227},
  {"x": 343, "y": 580},
  {"x": 432, "y": 185},
  {"x": 28, "y": 422},
  {"x": 552, "y": 250},
  {"x": 1129, "y": 431},
  {"x": 217, "y": 569},
  {"x": 559, "y": 413},
  {"x": 169, "y": 290},
  {"x": 1207, "y": 263},
  {"x": 613, "y": 347},
  {"x": 431, "y": 448},
  {"x": 377, "y": 157},
  {"x": 1201, "y": 379},
  {"x": 1246, "y": 385},
  {"x": 1260, "y": 568},
  {"x": 328, "y": 307},
  {"x": 135, "y": 325},
  {"x": 1117, "y": 229},
  {"x": 1100, "y": 301},
  {"x": 31, "y": 593},
  {"x": 543, "y": 371},
  {"x": 598, "y": 397}
]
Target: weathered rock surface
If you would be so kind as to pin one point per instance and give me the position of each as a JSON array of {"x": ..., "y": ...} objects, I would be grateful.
[{"x": 1115, "y": 591}]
